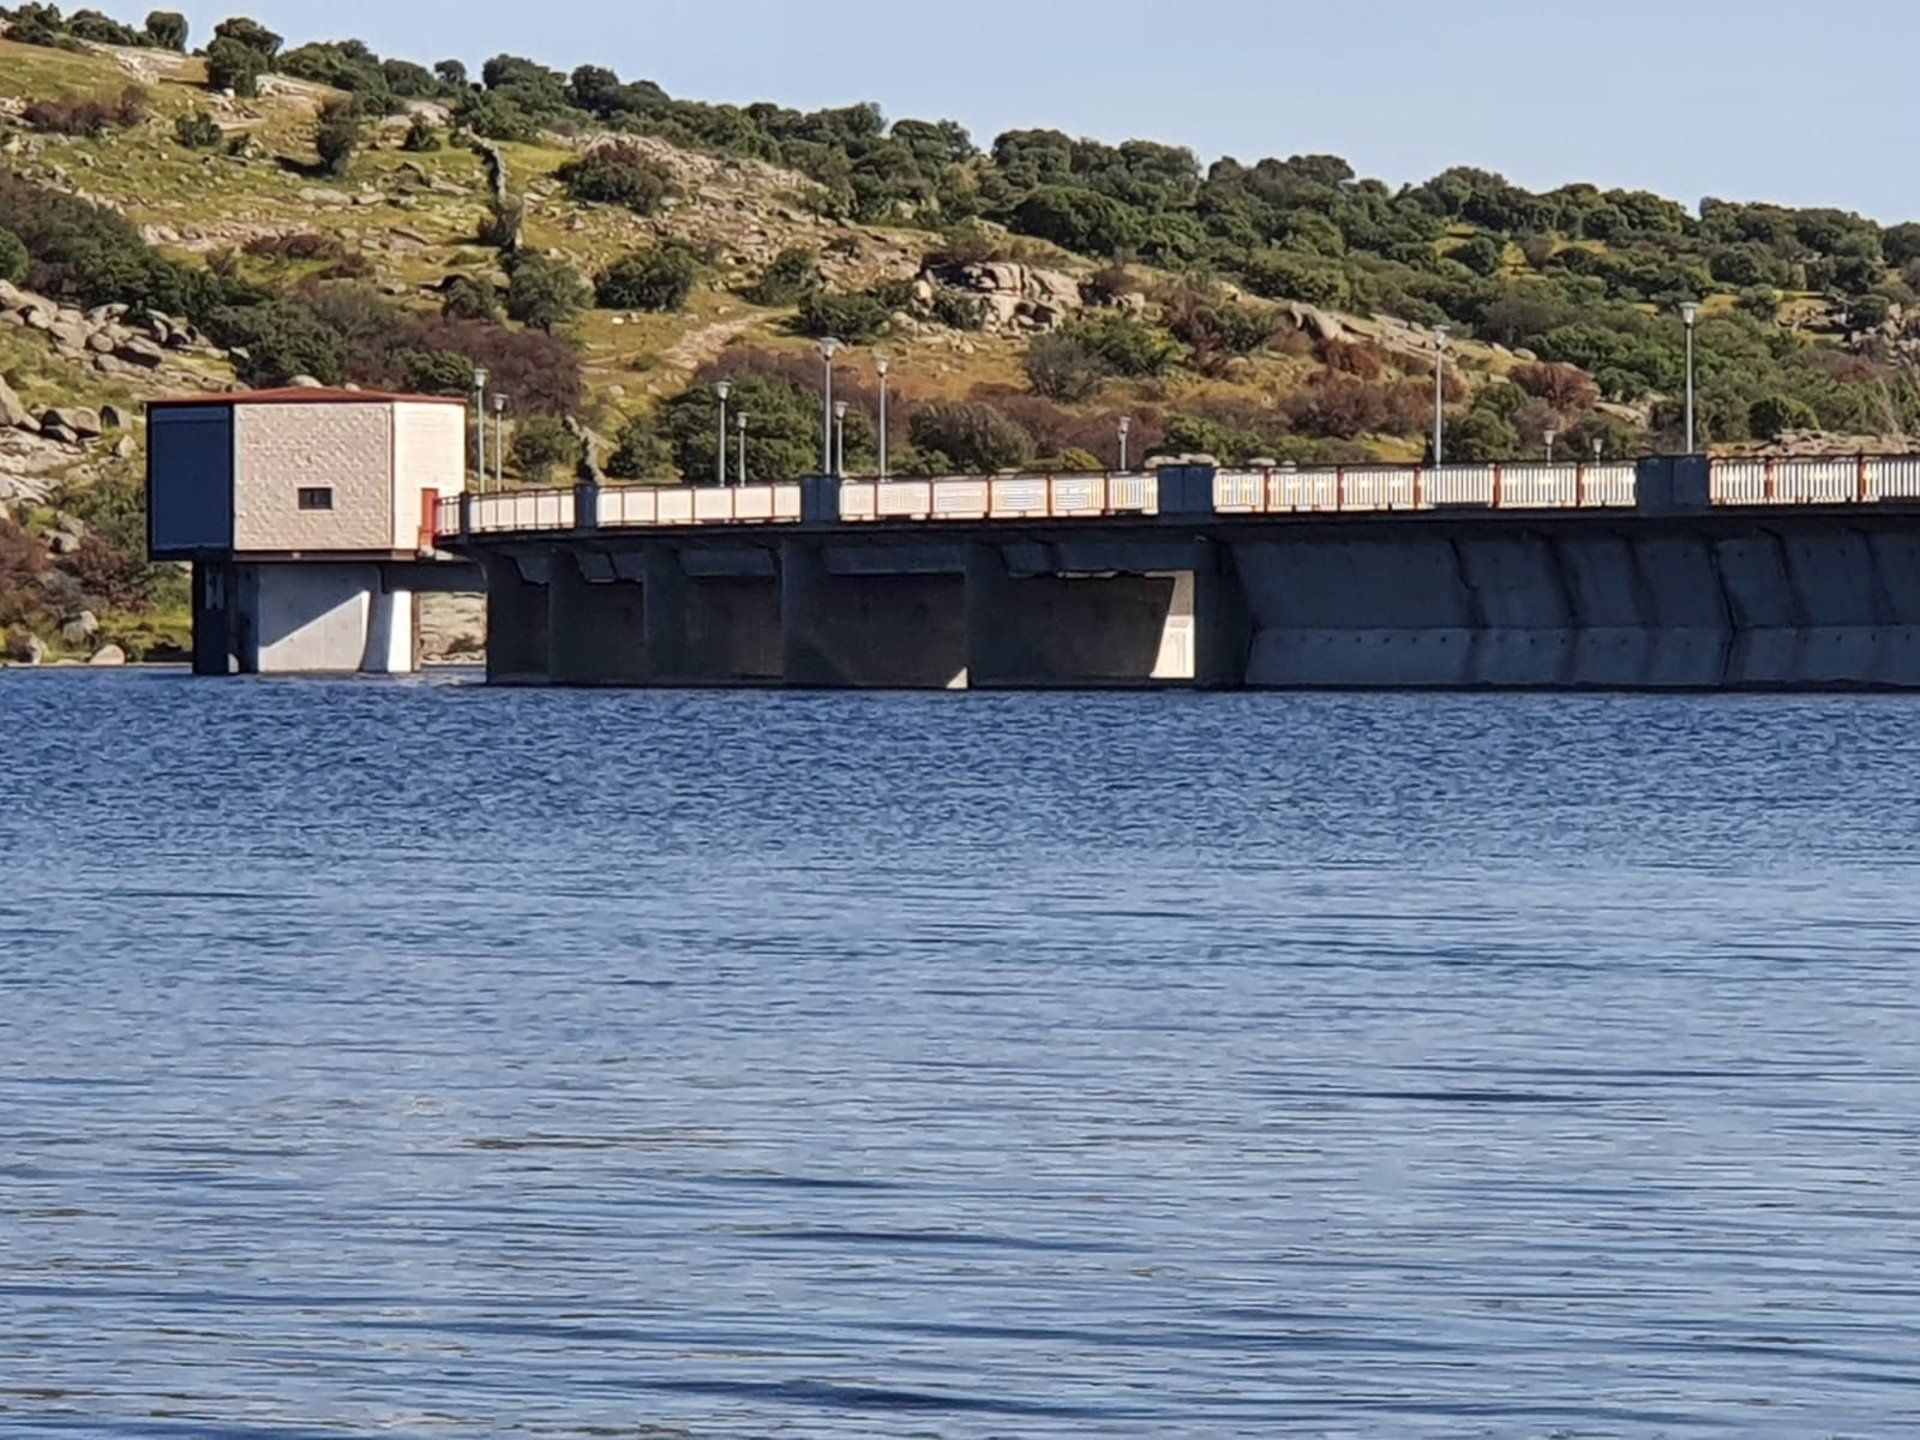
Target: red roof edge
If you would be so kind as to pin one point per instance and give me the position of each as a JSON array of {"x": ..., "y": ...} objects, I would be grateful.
[{"x": 305, "y": 395}]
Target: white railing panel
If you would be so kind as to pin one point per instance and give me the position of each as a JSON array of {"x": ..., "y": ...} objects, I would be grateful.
[
  {"x": 1539, "y": 487},
  {"x": 1612, "y": 485},
  {"x": 1079, "y": 494},
  {"x": 961, "y": 499},
  {"x": 627, "y": 505},
  {"x": 1737, "y": 482},
  {"x": 711, "y": 504},
  {"x": 1815, "y": 482},
  {"x": 1022, "y": 497},
  {"x": 858, "y": 500},
  {"x": 1133, "y": 494},
  {"x": 1239, "y": 492},
  {"x": 1378, "y": 490},
  {"x": 675, "y": 506},
  {"x": 1460, "y": 485},
  {"x": 753, "y": 502},
  {"x": 786, "y": 501},
  {"x": 904, "y": 498},
  {"x": 1296, "y": 490}
]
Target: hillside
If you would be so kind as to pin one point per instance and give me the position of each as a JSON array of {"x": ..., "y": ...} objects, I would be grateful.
[{"x": 250, "y": 214}]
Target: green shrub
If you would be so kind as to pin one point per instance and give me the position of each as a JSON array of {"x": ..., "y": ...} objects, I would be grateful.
[
  {"x": 1771, "y": 414},
  {"x": 14, "y": 259},
  {"x": 958, "y": 308},
  {"x": 783, "y": 426},
  {"x": 466, "y": 298},
  {"x": 545, "y": 294},
  {"x": 659, "y": 278},
  {"x": 88, "y": 118},
  {"x": 855, "y": 319},
  {"x": 338, "y": 135},
  {"x": 495, "y": 117},
  {"x": 542, "y": 443},
  {"x": 618, "y": 174},
  {"x": 969, "y": 438},
  {"x": 438, "y": 372},
  {"x": 1060, "y": 367},
  {"x": 792, "y": 273},
  {"x": 102, "y": 29},
  {"x": 198, "y": 130},
  {"x": 1126, "y": 344},
  {"x": 422, "y": 136},
  {"x": 1279, "y": 275}
]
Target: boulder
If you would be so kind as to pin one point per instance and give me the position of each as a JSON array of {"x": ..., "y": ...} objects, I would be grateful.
[
  {"x": 114, "y": 418},
  {"x": 80, "y": 628},
  {"x": 100, "y": 343},
  {"x": 60, "y": 542},
  {"x": 29, "y": 650},
  {"x": 13, "y": 414},
  {"x": 143, "y": 353},
  {"x": 60, "y": 434},
  {"x": 304, "y": 382},
  {"x": 75, "y": 418},
  {"x": 124, "y": 448},
  {"x": 108, "y": 655}
]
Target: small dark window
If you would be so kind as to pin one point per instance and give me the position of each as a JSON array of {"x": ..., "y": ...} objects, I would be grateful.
[{"x": 316, "y": 497}]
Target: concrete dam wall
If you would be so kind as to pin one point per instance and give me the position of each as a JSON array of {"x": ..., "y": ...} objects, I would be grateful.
[{"x": 1627, "y": 601}]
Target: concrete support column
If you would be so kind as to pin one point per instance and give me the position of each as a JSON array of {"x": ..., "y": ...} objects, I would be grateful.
[
  {"x": 596, "y": 630},
  {"x": 517, "y": 625},
  {"x": 391, "y": 630},
  {"x": 215, "y": 616},
  {"x": 903, "y": 631},
  {"x": 1062, "y": 630},
  {"x": 664, "y": 615},
  {"x": 1222, "y": 620}
]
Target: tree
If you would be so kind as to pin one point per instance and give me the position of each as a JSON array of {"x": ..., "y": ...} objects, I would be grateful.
[
  {"x": 197, "y": 130},
  {"x": 618, "y": 174},
  {"x": 659, "y": 278},
  {"x": 14, "y": 259},
  {"x": 234, "y": 66},
  {"x": 541, "y": 443},
  {"x": 971, "y": 438},
  {"x": 167, "y": 29},
  {"x": 450, "y": 73},
  {"x": 1480, "y": 436},
  {"x": 1771, "y": 414},
  {"x": 342, "y": 125},
  {"x": 252, "y": 34},
  {"x": 640, "y": 453},
  {"x": 544, "y": 293},
  {"x": 1082, "y": 220},
  {"x": 1566, "y": 388},
  {"x": 783, "y": 426}
]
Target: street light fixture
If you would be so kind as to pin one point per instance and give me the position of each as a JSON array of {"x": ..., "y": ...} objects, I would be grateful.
[
  {"x": 722, "y": 389},
  {"x": 880, "y": 366},
  {"x": 1598, "y": 446},
  {"x": 1125, "y": 428},
  {"x": 1689, "y": 313},
  {"x": 828, "y": 347},
  {"x": 1550, "y": 436},
  {"x": 839, "y": 437},
  {"x": 740, "y": 424},
  {"x": 1439, "y": 393},
  {"x": 480, "y": 426}
]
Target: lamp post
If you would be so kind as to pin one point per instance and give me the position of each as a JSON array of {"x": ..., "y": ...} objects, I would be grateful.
[
  {"x": 828, "y": 346},
  {"x": 1689, "y": 313},
  {"x": 740, "y": 424},
  {"x": 1124, "y": 429},
  {"x": 880, "y": 364},
  {"x": 1598, "y": 446},
  {"x": 480, "y": 426},
  {"x": 839, "y": 437},
  {"x": 721, "y": 389},
  {"x": 1550, "y": 436},
  {"x": 1439, "y": 391},
  {"x": 499, "y": 441}
]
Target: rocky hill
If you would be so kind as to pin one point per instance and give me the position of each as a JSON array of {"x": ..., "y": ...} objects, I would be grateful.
[{"x": 254, "y": 214}]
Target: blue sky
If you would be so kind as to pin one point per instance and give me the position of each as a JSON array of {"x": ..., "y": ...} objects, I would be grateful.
[{"x": 1761, "y": 100}]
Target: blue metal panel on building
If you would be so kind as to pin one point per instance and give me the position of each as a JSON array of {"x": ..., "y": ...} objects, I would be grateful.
[{"x": 189, "y": 480}]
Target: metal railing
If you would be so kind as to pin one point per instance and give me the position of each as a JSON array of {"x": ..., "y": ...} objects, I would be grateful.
[
  {"x": 630, "y": 505},
  {"x": 1349, "y": 489},
  {"x": 1824, "y": 480},
  {"x": 999, "y": 497},
  {"x": 1366, "y": 488}
]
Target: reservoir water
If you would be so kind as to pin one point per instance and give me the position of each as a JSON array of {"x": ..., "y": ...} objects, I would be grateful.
[{"x": 422, "y": 1059}]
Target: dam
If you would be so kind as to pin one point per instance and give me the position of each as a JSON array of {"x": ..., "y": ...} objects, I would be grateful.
[{"x": 1666, "y": 573}]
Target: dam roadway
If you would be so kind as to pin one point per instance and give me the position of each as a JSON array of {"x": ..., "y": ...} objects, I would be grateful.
[{"x": 1666, "y": 573}]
